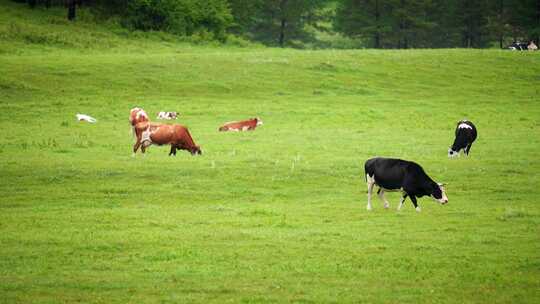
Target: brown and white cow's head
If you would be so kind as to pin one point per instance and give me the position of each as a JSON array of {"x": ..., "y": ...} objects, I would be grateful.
[
  {"x": 137, "y": 115},
  {"x": 438, "y": 193},
  {"x": 195, "y": 150},
  {"x": 259, "y": 121}
]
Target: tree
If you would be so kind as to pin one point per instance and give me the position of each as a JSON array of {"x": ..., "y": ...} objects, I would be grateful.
[
  {"x": 181, "y": 17},
  {"x": 276, "y": 22},
  {"x": 430, "y": 23},
  {"x": 411, "y": 23},
  {"x": 499, "y": 20},
  {"x": 244, "y": 14},
  {"x": 365, "y": 19},
  {"x": 72, "y": 5},
  {"x": 471, "y": 20},
  {"x": 525, "y": 19},
  {"x": 111, "y": 7},
  {"x": 386, "y": 23},
  {"x": 536, "y": 31}
]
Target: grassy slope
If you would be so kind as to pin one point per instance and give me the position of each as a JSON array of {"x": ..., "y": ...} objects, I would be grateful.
[{"x": 272, "y": 215}]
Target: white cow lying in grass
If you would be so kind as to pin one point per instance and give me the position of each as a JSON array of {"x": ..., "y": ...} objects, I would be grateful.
[
  {"x": 84, "y": 117},
  {"x": 167, "y": 115}
]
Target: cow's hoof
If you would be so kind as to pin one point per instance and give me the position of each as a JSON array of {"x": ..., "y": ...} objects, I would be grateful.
[
  {"x": 386, "y": 206},
  {"x": 368, "y": 208},
  {"x": 418, "y": 209}
]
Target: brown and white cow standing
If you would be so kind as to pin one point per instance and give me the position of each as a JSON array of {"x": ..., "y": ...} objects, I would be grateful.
[
  {"x": 244, "y": 125},
  {"x": 148, "y": 133}
]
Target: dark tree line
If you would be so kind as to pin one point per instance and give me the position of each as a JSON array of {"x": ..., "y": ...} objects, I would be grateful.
[
  {"x": 378, "y": 23},
  {"x": 276, "y": 22},
  {"x": 71, "y": 5},
  {"x": 439, "y": 23}
]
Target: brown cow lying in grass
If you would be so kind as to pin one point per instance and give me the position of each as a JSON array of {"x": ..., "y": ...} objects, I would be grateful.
[
  {"x": 177, "y": 136},
  {"x": 244, "y": 125}
]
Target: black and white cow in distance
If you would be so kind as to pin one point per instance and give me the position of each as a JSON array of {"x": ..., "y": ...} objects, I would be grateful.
[
  {"x": 391, "y": 174},
  {"x": 465, "y": 136}
]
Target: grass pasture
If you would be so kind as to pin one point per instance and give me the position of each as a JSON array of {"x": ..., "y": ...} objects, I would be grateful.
[{"x": 275, "y": 215}]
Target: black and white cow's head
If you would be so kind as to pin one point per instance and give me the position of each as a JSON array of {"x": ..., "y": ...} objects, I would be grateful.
[
  {"x": 452, "y": 153},
  {"x": 438, "y": 193}
]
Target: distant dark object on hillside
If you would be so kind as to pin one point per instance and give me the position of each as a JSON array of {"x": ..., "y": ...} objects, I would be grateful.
[{"x": 520, "y": 46}]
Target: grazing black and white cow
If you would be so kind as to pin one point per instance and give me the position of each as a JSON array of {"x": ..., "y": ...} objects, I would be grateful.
[
  {"x": 392, "y": 174},
  {"x": 465, "y": 136}
]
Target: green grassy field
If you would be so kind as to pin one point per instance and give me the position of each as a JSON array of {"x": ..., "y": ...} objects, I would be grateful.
[{"x": 274, "y": 215}]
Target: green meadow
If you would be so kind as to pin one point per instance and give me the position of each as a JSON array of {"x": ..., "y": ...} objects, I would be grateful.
[{"x": 274, "y": 215}]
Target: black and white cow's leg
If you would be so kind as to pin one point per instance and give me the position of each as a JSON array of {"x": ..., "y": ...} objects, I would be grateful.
[
  {"x": 402, "y": 201},
  {"x": 413, "y": 199},
  {"x": 383, "y": 198},
  {"x": 370, "y": 184},
  {"x": 467, "y": 149}
]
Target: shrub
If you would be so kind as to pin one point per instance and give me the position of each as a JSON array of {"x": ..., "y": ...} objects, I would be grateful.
[{"x": 181, "y": 17}]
